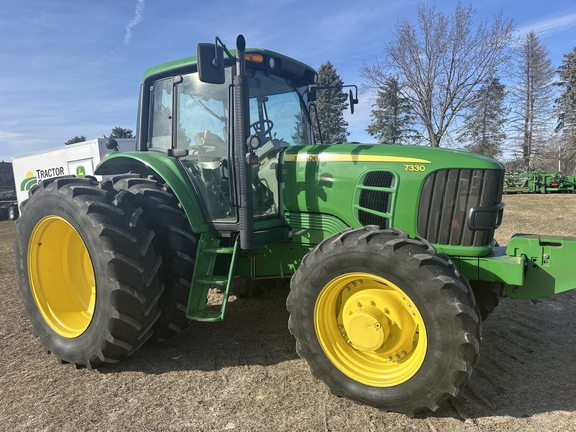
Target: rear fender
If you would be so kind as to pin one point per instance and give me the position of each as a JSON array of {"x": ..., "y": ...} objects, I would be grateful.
[{"x": 164, "y": 167}]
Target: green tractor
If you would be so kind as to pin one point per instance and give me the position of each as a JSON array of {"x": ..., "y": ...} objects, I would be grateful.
[{"x": 390, "y": 250}]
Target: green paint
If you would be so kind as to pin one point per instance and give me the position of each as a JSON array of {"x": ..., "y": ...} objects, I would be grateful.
[
  {"x": 164, "y": 167},
  {"x": 325, "y": 189}
]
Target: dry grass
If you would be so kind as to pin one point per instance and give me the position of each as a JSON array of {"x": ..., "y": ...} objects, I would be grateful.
[
  {"x": 243, "y": 374},
  {"x": 538, "y": 214}
]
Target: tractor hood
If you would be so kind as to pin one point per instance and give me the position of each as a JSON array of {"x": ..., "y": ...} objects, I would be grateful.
[{"x": 450, "y": 197}]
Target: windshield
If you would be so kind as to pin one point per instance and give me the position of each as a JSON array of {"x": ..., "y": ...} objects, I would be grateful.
[
  {"x": 278, "y": 110},
  {"x": 201, "y": 124}
]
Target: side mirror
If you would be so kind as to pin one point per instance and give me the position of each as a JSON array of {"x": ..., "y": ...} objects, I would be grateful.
[
  {"x": 353, "y": 101},
  {"x": 112, "y": 144},
  {"x": 210, "y": 60},
  {"x": 311, "y": 94}
]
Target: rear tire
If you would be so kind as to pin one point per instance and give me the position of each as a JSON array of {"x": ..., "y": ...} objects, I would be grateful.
[
  {"x": 384, "y": 320},
  {"x": 174, "y": 242},
  {"x": 87, "y": 271}
]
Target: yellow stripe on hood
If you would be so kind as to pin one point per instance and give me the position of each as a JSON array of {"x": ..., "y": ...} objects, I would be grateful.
[{"x": 336, "y": 157}]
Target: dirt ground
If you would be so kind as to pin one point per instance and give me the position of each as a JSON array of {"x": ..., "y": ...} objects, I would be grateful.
[{"x": 243, "y": 374}]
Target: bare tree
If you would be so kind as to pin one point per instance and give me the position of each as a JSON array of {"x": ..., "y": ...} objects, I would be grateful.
[
  {"x": 556, "y": 155},
  {"x": 532, "y": 97},
  {"x": 441, "y": 63}
]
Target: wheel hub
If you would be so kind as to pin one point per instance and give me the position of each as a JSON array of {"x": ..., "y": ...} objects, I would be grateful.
[
  {"x": 370, "y": 329},
  {"x": 367, "y": 328}
]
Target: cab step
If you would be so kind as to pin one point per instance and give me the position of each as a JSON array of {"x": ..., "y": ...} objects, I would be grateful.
[{"x": 209, "y": 250}]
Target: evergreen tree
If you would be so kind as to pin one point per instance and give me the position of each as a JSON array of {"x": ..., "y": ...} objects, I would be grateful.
[
  {"x": 76, "y": 139},
  {"x": 118, "y": 132},
  {"x": 532, "y": 97},
  {"x": 483, "y": 129},
  {"x": 566, "y": 103},
  {"x": 391, "y": 118},
  {"x": 330, "y": 106}
]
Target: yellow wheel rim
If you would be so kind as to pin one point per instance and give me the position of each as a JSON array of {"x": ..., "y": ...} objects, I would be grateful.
[
  {"x": 370, "y": 329},
  {"x": 61, "y": 277}
]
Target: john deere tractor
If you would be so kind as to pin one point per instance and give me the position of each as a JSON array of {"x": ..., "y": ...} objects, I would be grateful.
[{"x": 390, "y": 249}]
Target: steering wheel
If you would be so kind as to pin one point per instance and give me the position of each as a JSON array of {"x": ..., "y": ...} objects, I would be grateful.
[{"x": 262, "y": 127}]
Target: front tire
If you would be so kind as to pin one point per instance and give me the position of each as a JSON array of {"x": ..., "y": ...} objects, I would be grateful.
[
  {"x": 87, "y": 271},
  {"x": 487, "y": 295},
  {"x": 384, "y": 320}
]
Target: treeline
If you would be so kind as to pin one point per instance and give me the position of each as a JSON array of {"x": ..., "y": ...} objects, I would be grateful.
[
  {"x": 446, "y": 81},
  {"x": 117, "y": 132}
]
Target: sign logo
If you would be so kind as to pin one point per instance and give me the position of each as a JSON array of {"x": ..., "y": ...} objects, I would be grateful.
[
  {"x": 28, "y": 182},
  {"x": 80, "y": 171}
]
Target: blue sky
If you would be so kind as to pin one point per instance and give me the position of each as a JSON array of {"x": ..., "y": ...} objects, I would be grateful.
[{"x": 73, "y": 67}]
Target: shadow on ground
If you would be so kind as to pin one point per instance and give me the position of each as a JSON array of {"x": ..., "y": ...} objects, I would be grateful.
[
  {"x": 526, "y": 361},
  {"x": 254, "y": 332},
  {"x": 526, "y": 364}
]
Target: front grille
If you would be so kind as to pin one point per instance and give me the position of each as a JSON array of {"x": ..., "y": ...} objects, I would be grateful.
[
  {"x": 447, "y": 196},
  {"x": 376, "y": 198}
]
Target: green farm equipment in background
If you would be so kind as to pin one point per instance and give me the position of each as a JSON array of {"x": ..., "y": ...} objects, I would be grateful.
[
  {"x": 390, "y": 249},
  {"x": 539, "y": 182}
]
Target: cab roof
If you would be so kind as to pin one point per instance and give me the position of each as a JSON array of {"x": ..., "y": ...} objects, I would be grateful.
[{"x": 287, "y": 66}]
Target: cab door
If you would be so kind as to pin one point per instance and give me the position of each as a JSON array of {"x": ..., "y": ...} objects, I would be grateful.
[{"x": 189, "y": 119}]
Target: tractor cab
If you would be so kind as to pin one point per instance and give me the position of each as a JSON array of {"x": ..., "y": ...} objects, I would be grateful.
[{"x": 227, "y": 124}]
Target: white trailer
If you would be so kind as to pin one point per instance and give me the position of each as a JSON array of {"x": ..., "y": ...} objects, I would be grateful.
[{"x": 79, "y": 159}]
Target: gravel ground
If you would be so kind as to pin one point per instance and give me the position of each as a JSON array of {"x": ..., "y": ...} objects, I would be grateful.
[{"x": 243, "y": 374}]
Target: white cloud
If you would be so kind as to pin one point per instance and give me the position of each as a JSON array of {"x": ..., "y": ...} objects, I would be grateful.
[
  {"x": 549, "y": 25},
  {"x": 137, "y": 18},
  {"x": 7, "y": 136},
  {"x": 14, "y": 144}
]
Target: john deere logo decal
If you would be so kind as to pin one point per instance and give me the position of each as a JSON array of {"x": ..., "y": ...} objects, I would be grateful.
[
  {"x": 28, "y": 182},
  {"x": 80, "y": 171}
]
